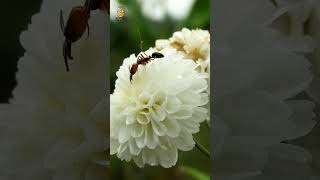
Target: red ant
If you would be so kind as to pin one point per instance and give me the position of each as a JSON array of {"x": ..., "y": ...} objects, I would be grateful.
[
  {"x": 77, "y": 24},
  {"x": 143, "y": 59}
]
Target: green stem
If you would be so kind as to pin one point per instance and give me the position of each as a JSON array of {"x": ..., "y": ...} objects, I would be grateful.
[{"x": 202, "y": 149}]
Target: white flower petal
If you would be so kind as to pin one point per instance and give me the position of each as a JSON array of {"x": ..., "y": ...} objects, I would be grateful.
[
  {"x": 173, "y": 127},
  {"x": 136, "y": 130},
  {"x": 159, "y": 128}
]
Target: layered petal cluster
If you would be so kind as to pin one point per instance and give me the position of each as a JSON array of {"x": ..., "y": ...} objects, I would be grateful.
[
  {"x": 155, "y": 116},
  {"x": 191, "y": 44}
]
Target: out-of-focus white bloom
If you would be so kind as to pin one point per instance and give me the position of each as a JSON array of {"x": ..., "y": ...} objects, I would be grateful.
[
  {"x": 156, "y": 115},
  {"x": 114, "y": 5},
  {"x": 256, "y": 71},
  {"x": 114, "y": 8},
  {"x": 56, "y": 123},
  {"x": 157, "y": 10},
  {"x": 302, "y": 21}
]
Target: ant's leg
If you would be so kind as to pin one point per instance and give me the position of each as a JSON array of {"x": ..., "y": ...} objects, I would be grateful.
[
  {"x": 64, "y": 49},
  {"x": 107, "y": 5},
  {"x": 146, "y": 56},
  {"x": 130, "y": 74},
  {"x": 87, "y": 6},
  {"x": 65, "y": 52},
  {"x": 69, "y": 49},
  {"x": 139, "y": 59},
  {"x": 61, "y": 21}
]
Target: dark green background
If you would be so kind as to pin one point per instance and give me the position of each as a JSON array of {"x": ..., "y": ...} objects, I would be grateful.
[{"x": 15, "y": 17}]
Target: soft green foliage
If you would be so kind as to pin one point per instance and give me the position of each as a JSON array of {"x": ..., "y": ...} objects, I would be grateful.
[{"x": 196, "y": 174}]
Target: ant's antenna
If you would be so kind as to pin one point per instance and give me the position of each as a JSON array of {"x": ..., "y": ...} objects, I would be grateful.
[{"x": 141, "y": 42}]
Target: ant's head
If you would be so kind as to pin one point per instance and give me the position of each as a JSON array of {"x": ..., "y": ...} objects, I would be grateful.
[{"x": 157, "y": 55}]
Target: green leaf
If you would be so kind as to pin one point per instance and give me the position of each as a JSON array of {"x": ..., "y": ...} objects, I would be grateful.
[{"x": 196, "y": 174}]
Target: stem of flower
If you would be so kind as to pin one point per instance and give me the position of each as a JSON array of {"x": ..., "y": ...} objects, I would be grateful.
[{"x": 202, "y": 149}]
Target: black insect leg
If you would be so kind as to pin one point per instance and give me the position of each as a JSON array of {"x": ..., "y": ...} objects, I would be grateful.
[
  {"x": 61, "y": 21},
  {"x": 65, "y": 54},
  {"x": 69, "y": 49}
]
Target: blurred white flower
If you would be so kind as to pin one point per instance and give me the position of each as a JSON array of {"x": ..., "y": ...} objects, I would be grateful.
[
  {"x": 114, "y": 8},
  {"x": 304, "y": 22},
  {"x": 256, "y": 71},
  {"x": 285, "y": 161},
  {"x": 192, "y": 44},
  {"x": 157, "y": 10},
  {"x": 156, "y": 115},
  {"x": 114, "y": 5},
  {"x": 56, "y": 122}
]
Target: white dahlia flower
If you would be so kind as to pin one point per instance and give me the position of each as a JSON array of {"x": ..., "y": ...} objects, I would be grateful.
[
  {"x": 192, "y": 44},
  {"x": 156, "y": 115}
]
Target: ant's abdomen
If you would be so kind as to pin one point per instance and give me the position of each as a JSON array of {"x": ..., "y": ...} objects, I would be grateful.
[{"x": 77, "y": 24}]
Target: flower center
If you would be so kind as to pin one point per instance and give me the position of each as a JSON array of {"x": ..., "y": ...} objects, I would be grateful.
[{"x": 151, "y": 109}]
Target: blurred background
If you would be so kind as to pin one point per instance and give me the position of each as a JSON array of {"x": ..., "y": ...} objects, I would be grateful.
[{"x": 157, "y": 19}]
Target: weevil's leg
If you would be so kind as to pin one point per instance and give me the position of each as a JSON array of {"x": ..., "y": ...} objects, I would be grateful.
[
  {"x": 65, "y": 55},
  {"x": 69, "y": 49},
  {"x": 61, "y": 21}
]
